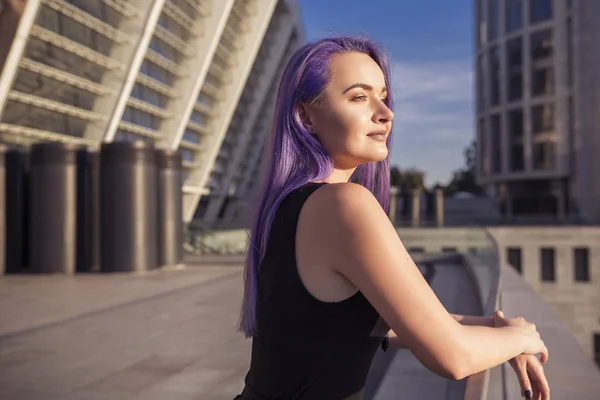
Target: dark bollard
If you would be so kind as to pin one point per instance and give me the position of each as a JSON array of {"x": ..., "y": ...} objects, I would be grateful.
[
  {"x": 16, "y": 210},
  {"x": 3, "y": 150},
  {"x": 88, "y": 212},
  {"x": 170, "y": 208},
  {"x": 52, "y": 218},
  {"x": 128, "y": 228}
]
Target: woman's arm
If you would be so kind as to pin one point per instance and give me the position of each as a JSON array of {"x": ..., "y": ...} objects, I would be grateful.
[
  {"x": 473, "y": 320},
  {"x": 346, "y": 224},
  {"x": 396, "y": 342}
]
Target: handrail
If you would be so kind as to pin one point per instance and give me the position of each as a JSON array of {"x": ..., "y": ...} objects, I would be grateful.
[{"x": 478, "y": 385}]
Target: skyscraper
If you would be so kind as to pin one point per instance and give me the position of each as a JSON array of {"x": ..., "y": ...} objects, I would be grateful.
[
  {"x": 183, "y": 74},
  {"x": 537, "y": 91}
]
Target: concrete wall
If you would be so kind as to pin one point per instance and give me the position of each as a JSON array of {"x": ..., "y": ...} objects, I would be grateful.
[{"x": 577, "y": 303}]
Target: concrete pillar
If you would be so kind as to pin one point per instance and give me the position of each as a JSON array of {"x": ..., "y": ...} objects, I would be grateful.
[
  {"x": 439, "y": 207},
  {"x": 128, "y": 207},
  {"x": 170, "y": 203},
  {"x": 393, "y": 204},
  {"x": 53, "y": 222},
  {"x": 416, "y": 207}
]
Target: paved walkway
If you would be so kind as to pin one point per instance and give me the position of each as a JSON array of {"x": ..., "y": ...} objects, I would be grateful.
[
  {"x": 168, "y": 335},
  {"x": 165, "y": 335}
]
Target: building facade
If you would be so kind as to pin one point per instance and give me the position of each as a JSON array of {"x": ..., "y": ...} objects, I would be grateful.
[
  {"x": 192, "y": 75},
  {"x": 537, "y": 96},
  {"x": 562, "y": 264}
]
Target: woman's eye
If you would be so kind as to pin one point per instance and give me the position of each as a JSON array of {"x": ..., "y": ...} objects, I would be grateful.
[{"x": 360, "y": 98}]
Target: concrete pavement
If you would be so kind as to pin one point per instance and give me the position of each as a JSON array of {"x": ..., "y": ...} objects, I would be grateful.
[
  {"x": 167, "y": 335},
  {"x": 163, "y": 335}
]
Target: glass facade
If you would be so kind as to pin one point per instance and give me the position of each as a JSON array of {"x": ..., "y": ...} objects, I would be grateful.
[
  {"x": 542, "y": 119},
  {"x": 481, "y": 84},
  {"x": 514, "y": 15},
  {"x": 544, "y": 146},
  {"x": 496, "y": 142},
  {"x": 482, "y": 148},
  {"x": 542, "y": 68},
  {"x": 516, "y": 140},
  {"x": 494, "y": 60},
  {"x": 514, "y": 68},
  {"x": 540, "y": 10},
  {"x": 481, "y": 23},
  {"x": 493, "y": 20}
]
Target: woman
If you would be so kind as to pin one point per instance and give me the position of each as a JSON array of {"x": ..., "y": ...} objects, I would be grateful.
[{"x": 325, "y": 267}]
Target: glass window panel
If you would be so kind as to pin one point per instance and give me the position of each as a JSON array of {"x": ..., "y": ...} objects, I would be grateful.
[
  {"x": 494, "y": 76},
  {"x": 540, "y": 10},
  {"x": 514, "y": 15},
  {"x": 496, "y": 148},
  {"x": 514, "y": 68}
]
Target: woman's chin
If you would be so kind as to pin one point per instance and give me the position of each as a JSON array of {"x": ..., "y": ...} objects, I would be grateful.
[{"x": 378, "y": 156}]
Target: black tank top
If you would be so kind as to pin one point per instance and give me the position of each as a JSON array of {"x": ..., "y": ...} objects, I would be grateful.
[{"x": 306, "y": 348}]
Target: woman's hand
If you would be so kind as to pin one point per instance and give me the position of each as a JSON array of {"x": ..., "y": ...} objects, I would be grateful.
[{"x": 528, "y": 368}]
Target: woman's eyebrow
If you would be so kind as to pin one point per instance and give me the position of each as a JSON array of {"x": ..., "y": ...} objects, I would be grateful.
[{"x": 363, "y": 86}]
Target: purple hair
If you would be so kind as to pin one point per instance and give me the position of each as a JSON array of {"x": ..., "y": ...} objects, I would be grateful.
[{"x": 293, "y": 157}]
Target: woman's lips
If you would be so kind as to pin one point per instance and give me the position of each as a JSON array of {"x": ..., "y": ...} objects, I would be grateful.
[{"x": 380, "y": 137}]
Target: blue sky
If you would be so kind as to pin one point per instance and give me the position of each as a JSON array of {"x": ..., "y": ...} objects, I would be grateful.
[{"x": 430, "y": 46}]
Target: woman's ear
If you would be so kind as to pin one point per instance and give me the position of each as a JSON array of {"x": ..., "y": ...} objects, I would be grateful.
[{"x": 304, "y": 112}]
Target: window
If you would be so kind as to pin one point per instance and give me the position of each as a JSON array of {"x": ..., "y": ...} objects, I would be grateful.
[
  {"x": 514, "y": 15},
  {"x": 515, "y": 135},
  {"x": 542, "y": 119},
  {"x": 540, "y": 10},
  {"x": 542, "y": 70},
  {"x": 570, "y": 51},
  {"x": 416, "y": 250},
  {"x": 514, "y": 257},
  {"x": 581, "y": 258},
  {"x": 542, "y": 45},
  {"x": 482, "y": 149},
  {"x": 482, "y": 32},
  {"x": 514, "y": 67},
  {"x": 548, "y": 267},
  {"x": 494, "y": 20},
  {"x": 496, "y": 147},
  {"x": 544, "y": 155},
  {"x": 449, "y": 250},
  {"x": 494, "y": 76},
  {"x": 481, "y": 90},
  {"x": 542, "y": 81}
]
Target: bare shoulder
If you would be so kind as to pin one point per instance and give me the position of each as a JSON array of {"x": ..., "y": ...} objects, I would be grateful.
[
  {"x": 341, "y": 219},
  {"x": 340, "y": 202}
]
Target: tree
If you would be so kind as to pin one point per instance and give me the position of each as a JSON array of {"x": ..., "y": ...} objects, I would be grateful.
[
  {"x": 464, "y": 180},
  {"x": 408, "y": 179}
]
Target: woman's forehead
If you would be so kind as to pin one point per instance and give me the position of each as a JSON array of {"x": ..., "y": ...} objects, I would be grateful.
[{"x": 351, "y": 68}]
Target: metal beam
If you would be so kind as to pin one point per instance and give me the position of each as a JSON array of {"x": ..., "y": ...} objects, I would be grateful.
[
  {"x": 276, "y": 54},
  {"x": 17, "y": 49},
  {"x": 189, "y": 87},
  {"x": 113, "y": 106},
  {"x": 258, "y": 26}
]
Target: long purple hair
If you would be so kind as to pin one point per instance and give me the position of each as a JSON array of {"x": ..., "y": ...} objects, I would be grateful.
[{"x": 293, "y": 157}]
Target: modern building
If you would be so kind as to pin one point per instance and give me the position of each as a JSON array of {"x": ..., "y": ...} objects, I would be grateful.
[
  {"x": 193, "y": 75},
  {"x": 538, "y": 95}
]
